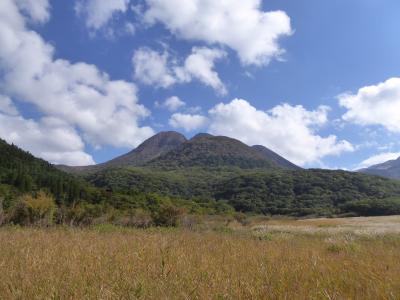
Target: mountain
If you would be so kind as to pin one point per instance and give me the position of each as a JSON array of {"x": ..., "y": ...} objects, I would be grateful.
[
  {"x": 151, "y": 148},
  {"x": 210, "y": 173},
  {"x": 271, "y": 155},
  {"x": 171, "y": 149},
  {"x": 390, "y": 169},
  {"x": 205, "y": 150}
]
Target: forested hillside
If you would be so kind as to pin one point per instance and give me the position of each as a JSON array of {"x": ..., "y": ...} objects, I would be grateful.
[
  {"x": 287, "y": 192},
  {"x": 21, "y": 171},
  {"x": 32, "y": 190},
  {"x": 198, "y": 180}
]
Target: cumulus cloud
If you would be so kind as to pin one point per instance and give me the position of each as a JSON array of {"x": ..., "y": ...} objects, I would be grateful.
[
  {"x": 7, "y": 106},
  {"x": 285, "y": 129},
  {"x": 241, "y": 25},
  {"x": 50, "y": 138},
  {"x": 37, "y": 10},
  {"x": 187, "y": 122},
  {"x": 104, "y": 111},
  {"x": 153, "y": 68},
  {"x": 172, "y": 103},
  {"x": 378, "y": 159},
  {"x": 99, "y": 13},
  {"x": 161, "y": 70},
  {"x": 374, "y": 105}
]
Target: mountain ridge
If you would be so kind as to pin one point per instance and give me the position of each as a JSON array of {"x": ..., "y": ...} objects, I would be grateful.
[
  {"x": 172, "y": 149},
  {"x": 389, "y": 169}
]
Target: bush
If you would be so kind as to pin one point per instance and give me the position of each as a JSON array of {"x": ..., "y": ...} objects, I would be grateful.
[
  {"x": 241, "y": 218},
  {"x": 39, "y": 210},
  {"x": 138, "y": 218},
  {"x": 168, "y": 216},
  {"x": 84, "y": 214},
  {"x": 2, "y": 216}
]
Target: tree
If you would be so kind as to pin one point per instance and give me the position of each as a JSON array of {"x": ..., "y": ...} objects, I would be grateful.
[{"x": 37, "y": 210}]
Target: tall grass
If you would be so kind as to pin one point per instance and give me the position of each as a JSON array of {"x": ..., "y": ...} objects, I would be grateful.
[{"x": 176, "y": 264}]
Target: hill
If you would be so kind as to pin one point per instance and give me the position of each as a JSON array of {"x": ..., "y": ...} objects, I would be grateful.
[
  {"x": 21, "y": 172},
  {"x": 151, "y": 148},
  {"x": 271, "y": 155},
  {"x": 273, "y": 191},
  {"x": 207, "y": 174},
  {"x": 205, "y": 150},
  {"x": 389, "y": 169},
  {"x": 171, "y": 149},
  {"x": 33, "y": 191}
]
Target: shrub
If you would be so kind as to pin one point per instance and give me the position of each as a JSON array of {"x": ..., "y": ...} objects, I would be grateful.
[
  {"x": 2, "y": 216},
  {"x": 168, "y": 216},
  {"x": 84, "y": 213},
  {"x": 138, "y": 218},
  {"x": 241, "y": 218},
  {"x": 39, "y": 210}
]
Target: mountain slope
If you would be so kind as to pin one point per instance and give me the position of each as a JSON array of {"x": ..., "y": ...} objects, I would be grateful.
[
  {"x": 390, "y": 169},
  {"x": 25, "y": 173},
  {"x": 271, "y": 155},
  {"x": 205, "y": 150},
  {"x": 151, "y": 148}
]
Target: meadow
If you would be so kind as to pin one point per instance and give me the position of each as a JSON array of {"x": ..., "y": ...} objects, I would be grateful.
[{"x": 356, "y": 258}]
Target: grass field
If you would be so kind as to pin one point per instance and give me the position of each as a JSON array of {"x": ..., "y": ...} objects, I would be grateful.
[{"x": 357, "y": 258}]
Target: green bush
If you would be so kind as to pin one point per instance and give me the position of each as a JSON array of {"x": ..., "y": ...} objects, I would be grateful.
[
  {"x": 39, "y": 210},
  {"x": 168, "y": 216}
]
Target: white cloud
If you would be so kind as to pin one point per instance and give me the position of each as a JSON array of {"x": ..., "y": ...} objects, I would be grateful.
[
  {"x": 51, "y": 139},
  {"x": 374, "y": 105},
  {"x": 160, "y": 70},
  {"x": 104, "y": 111},
  {"x": 378, "y": 159},
  {"x": 200, "y": 65},
  {"x": 187, "y": 122},
  {"x": 152, "y": 68},
  {"x": 130, "y": 28},
  {"x": 285, "y": 129},
  {"x": 99, "y": 13},
  {"x": 37, "y": 10},
  {"x": 240, "y": 25},
  {"x": 7, "y": 107},
  {"x": 172, "y": 103}
]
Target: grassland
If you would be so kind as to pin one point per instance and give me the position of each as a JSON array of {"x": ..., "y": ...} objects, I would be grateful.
[{"x": 356, "y": 258}]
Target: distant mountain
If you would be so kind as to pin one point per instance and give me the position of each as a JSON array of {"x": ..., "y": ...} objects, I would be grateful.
[
  {"x": 271, "y": 155},
  {"x": 205, "y": 150},
  {"x": 151, "y": 148},
  {"x": 171, "y": 149},
  {"x": 390, "y": 169}
]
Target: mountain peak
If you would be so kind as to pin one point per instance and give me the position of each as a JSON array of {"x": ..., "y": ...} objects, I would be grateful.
[
  {"x": 151, "y": 148},
  {"x": 201, "y": 135},
  {"x": 161, "y": 140},
  {"x": 205, "y": 150}
]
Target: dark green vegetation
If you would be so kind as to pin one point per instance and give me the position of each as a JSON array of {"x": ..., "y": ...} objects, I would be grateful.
[
  {"x": 389, "y": 169},
  {"x": 284, "y": 192},
  {"x": 168, "y": 176},
  {"x": 30, "y": 188}
]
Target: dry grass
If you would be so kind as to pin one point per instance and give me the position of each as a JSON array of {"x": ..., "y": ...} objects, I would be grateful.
[
  {"x": 178, "y": 264},
  {"x": 358, "y": 226}
]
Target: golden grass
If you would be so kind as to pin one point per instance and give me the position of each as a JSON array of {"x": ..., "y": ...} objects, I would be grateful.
[{"x": 178, "y": 264}]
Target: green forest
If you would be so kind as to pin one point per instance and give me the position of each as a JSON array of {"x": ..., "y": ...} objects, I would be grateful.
[{"x": 32, "y": 191}]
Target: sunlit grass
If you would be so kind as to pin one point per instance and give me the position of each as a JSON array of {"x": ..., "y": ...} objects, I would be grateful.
[{"x": 114, "y": 263}]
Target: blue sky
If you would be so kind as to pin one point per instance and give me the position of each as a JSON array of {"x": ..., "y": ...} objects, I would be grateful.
[{"x": 316, "y": 81}]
